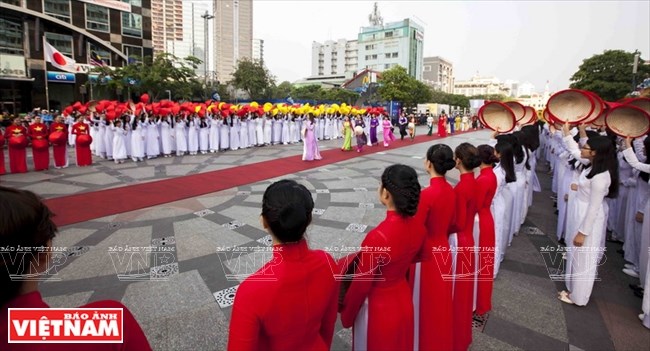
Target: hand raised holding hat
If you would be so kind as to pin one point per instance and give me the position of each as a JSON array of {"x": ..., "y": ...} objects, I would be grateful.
[
  {"x": 579, "y": 240},
  {"x": 628, "y": 142},
  {"x": 582, "y": 129},
  {"x": 566, "y": 130}
]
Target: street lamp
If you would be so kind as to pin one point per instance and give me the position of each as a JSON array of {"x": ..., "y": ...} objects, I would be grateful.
[
  {"x": 169, "y": 94},
  {"x": 206, "y": 17}
]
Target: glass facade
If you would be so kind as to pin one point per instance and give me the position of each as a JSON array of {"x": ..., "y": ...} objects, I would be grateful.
[
  {"x": 97, "y": 18},
  {"x": 57, "y": 8}
]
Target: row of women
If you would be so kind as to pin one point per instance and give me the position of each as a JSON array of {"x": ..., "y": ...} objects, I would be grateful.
[
  {"x": 419, "y": 291},
  {"x": 601, "y": 182},
  {"x": 40, "y": 136}
]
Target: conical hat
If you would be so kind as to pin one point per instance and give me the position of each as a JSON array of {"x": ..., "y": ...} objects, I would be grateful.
[
  {"x": 599, "y": 108},
  {"x": 628, "y": 120},
  {"x": 517, "y": 108},
  {"x": 530, "y": 116},
  {"x": 642, "y": 103},
  {"x": 497, "y": 116},
  {"x": 570, "y": 106}
]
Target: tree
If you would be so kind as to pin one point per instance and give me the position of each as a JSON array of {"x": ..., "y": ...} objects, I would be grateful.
[
  {"x": 396, "y": 85},
  {"x": 609, "y": 74},
  {"x": 254, "y": 79},
  {"x": 282, "y": 91},
  {"x": 155, "y": 76},
  {"x": 340, "y": 95}
]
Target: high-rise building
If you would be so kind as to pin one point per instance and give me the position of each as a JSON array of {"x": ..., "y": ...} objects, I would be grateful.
[
  {"x": 233, "y": 35},
  {"x": 398, "y": 43},
  {"x": 166, "y": 25},
  {"x": 258, "y": 50},
  {"x": 116, "y": 32},
  {"x": 334, "y": 57},
  {"x": 438, "y": 73}
]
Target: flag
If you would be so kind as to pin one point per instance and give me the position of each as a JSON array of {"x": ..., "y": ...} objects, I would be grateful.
[
  {"x": 57, "y": 59},
  {"x": 95, "y": 59}
]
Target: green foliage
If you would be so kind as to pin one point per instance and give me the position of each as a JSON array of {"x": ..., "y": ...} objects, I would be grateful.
[
  {"x": 609, "y": 74},
  {"x": 282, "y": 91},
  {"x": 253, "y": 78},
  {"x": 449, "y": 99},
  {"x": 155, "y": 76},
  {"x": 398, "y": 85},
  {"x": 493, "y": 97}
]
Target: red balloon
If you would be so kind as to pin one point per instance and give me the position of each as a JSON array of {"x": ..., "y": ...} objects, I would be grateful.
[
  {"x": 40, "y": 144},
  {"x": 58, "y": 138},
  {"x": 18, "y": 142},
  {"x": 110, "y": 115},
  {"x": 84, "y": 140},
  {"x": 176, "y": 109},
  {"x": 144, "y": 98}
]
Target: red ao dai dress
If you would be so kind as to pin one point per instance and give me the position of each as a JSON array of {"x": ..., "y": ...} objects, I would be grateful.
[
  {"x": 380, "y": 309},
  {"x": 432, "y": 283}
]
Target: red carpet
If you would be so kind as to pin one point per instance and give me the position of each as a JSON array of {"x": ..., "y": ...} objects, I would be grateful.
[{"x": 96, "y": 204}]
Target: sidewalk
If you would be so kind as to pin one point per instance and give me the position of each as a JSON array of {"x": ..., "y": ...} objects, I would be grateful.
[{"x": 183, "y": 300}]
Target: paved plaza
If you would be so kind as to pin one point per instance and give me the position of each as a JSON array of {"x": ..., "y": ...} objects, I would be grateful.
[{"x": 182, "y": 292}]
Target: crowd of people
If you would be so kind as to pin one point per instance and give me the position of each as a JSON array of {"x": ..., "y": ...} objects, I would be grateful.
[
  {"x": 150, "y": 136},
  {"x": 430, "y": 285},
  {"x": 601, "y": 186}
]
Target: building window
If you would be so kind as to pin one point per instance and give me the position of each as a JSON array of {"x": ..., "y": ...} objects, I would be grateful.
[
  {"x": 371, "y": 46},
  {"x": 388, "y": 34},
  {"x": 11, "y": 37},
  {"x": 427, "y": 68},
  {"x": 134, "y": 2},
  {"x": 97, "y": 18},
  {"x": 388, "y": 55},
  {"x": 134, "y": 53},
  {"x": 374, "y": 57},
  {"x": 57, "y": 8},
  {"x": 387, "y": 66},
  {"x": 61, "y": 42},
  {"x": 99, "y": 53},
  {"x": 13, "y": 2},
  {"x": 132, "y": 24},
  {"x": 394, "y": 55}
]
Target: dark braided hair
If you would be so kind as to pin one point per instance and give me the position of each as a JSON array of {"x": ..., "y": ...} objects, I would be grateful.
[
  {"x": 441, "y": 158},
  {"x": 25, "y": 221},
  {"x": 287, "y": 208},
  {"x": 402, "y": 183}
]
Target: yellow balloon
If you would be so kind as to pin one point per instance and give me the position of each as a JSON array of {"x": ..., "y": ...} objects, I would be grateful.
[
  {"x": 268, "y": 107},
  {"x": 275, "y": 112},
  {"x": 254, "y": 104}
]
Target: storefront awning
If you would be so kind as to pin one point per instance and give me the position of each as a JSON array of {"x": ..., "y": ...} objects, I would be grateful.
[{"x": 22, "y": 79}]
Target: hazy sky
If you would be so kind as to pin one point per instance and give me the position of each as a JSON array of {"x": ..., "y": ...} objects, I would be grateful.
[{"x": 532, "y": 41}]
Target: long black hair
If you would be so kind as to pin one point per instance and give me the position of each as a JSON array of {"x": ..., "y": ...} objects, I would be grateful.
[
  {"x": 517, "y": 150},
  {"x": 522, "y": 139},
  {"x": 402, "y": 183},
  {"x": 506, "y": 160},
  {"x": 287, "y": 208},
  {"x": 441, "y": 157},
  {"x": 604, "y": 160}
]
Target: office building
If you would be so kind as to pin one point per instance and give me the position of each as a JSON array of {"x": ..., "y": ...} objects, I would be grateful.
[{"x": 114, "y": 30}]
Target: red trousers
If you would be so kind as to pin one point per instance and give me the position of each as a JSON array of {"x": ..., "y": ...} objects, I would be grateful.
[
  {"x": 84, "y": 157},
  {"x": 41, "y": 159},
  {"x": 485, "y": 262}
]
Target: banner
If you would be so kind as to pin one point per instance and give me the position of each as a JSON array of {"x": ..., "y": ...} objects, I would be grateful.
[
  {"x": 12, "y": 66},
  {"x": 111, "y": 4}
]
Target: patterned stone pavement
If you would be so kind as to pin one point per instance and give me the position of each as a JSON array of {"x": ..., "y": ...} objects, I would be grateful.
[{"x": 182, "y": 287}]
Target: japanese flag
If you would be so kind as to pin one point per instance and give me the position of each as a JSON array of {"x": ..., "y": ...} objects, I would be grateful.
[{"x": 57, "y": 59}]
